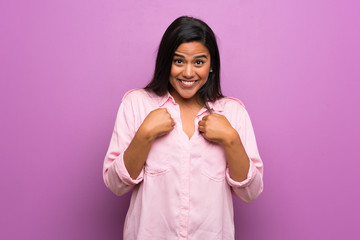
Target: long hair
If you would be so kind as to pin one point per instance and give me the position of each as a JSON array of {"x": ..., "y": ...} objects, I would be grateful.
[{"x": 187, "y": 29}]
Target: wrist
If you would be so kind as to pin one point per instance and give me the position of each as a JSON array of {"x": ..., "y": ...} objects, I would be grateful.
[
  {"x": 231, "y": 138},
  {"x": 145, "y": 134}
]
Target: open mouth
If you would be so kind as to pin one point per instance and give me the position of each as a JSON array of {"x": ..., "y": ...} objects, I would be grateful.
[{"x": 187, "y": 83}]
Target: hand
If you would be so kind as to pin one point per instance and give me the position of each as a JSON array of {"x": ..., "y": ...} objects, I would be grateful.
[
  {"x": 216, "y": 128},
  {"x": 157, "y": 123}
]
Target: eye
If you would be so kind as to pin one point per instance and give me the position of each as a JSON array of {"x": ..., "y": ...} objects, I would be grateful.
[
  {"x": 199, "y": 62},
  {"x": 178, "y": 61}
]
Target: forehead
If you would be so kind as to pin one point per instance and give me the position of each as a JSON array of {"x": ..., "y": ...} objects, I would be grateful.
[{"x": 192, "y": 49}]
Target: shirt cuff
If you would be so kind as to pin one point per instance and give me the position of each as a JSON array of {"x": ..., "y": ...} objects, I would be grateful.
[
  {"x": 247, "y": 181},
  {"x": 124, "y": 174}
]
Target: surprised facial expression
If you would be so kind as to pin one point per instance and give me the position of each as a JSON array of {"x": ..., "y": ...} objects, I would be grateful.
[{"x": 189, "y": 70}]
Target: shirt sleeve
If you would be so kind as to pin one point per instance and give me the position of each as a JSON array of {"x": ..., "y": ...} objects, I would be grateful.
[
  {"x": 115, "y": 174},
  {"x": 249, "y": 189}
]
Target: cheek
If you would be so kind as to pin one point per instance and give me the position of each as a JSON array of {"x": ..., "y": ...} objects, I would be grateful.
[
  {"x": 205, "y": 75},
  {"x": 204, "y": 72},
  {"x": 172, "y": 77},
  {"x": 172, "y": 81},
  {"x": 175, "y": 71}
]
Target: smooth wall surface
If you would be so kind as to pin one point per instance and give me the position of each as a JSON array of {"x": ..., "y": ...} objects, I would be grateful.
[{"x": 65, "y": 65}]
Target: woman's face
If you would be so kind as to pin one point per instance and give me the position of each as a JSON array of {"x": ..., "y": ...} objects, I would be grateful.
[{"x": 189, "y": 70}]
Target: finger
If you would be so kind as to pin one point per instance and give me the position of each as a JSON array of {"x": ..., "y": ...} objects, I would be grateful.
[
  {"x": 205, "y": 117},
  {"x": 169, "y": 116},
  {"x": 201, "y": 129}
]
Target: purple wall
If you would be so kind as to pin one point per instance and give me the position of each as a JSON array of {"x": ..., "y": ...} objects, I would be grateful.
[{"x": 65, "y": 65}]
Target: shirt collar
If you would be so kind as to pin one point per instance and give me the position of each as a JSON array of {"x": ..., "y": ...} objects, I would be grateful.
[
  {"x": 214, "y": 106},
  {"x": 164, "y": 99}
]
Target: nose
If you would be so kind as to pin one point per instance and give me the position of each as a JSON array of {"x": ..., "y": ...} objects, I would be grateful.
[{"x": 188, "y": 71}]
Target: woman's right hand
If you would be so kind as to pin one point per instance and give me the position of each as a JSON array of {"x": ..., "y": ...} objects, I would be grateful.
[{"x": 157, "y": 123}]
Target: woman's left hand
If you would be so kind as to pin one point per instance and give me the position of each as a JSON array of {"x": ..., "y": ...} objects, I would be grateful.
[{"x": 216, "y": 128}]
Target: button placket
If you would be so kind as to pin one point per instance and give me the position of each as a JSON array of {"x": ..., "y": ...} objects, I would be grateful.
[{"x": 185, "y": 198}]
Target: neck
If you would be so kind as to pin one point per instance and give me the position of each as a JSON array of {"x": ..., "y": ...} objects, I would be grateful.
[{"x": 194, "y": 101}]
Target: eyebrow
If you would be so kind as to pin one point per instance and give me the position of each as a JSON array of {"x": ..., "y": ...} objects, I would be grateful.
[{"x": 200, "y": 56}]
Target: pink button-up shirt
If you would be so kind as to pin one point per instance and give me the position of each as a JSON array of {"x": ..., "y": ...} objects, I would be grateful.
[{"x": 184, "y": 189}]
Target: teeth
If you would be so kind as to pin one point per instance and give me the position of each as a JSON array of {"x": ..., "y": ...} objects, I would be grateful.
[{"x": 187, "y": 82}]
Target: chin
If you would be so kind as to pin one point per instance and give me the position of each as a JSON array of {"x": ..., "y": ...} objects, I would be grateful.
[{"x": 186, "y": 94}]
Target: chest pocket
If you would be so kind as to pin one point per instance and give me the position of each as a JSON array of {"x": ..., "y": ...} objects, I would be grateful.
[
  {"x": 214, "y": 160},
  {"x": 157, "y": 162}
]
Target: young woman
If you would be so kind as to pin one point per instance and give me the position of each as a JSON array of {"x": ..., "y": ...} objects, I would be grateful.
[{"x": 181, "y": 146}]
